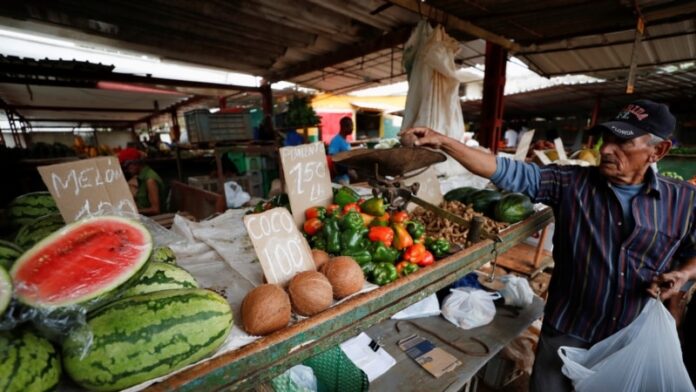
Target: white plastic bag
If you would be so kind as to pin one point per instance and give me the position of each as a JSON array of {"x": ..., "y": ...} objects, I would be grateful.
[
  {"x": 469, "y": 308},
  {"x": 516, "y": 291},
  {"x": 427, "y": 307},
  {"x": 235, "y": 195},
  {"x": 643, "y": 356}
]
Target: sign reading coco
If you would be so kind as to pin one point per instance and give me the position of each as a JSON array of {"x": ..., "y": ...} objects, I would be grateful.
[
  {"x": 307, "y": 178},
  {"x": 281, "y": 248}
]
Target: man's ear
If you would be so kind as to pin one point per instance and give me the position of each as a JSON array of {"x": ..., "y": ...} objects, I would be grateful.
[{"x": 661, "y": 149}]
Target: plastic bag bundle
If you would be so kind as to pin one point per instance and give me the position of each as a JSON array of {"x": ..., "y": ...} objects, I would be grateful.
[
  {"x": 469, "y": 308},
  {"x": 516, "y": 291},
  {"x": 235, "y": 195},
  {"x": 643, "y": 356}
]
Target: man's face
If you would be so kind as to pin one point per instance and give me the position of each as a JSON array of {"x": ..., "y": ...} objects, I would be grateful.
[
  {"x": 347, "y": 128},
  {"x": 625, "y": 161}
]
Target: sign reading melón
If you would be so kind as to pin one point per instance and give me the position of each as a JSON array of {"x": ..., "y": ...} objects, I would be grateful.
[
  {"x": 82, "y": 188},
  {"x": 281, "y": 248},
  {"x": 307, "y": 178}
]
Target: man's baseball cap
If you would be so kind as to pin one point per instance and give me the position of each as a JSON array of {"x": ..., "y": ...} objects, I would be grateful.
[
  {"x": 640, "y": 118},
  {"x": 128, "y": 156}
]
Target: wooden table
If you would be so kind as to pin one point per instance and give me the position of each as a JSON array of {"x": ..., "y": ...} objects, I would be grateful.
[{"x": 407, "y": 375}]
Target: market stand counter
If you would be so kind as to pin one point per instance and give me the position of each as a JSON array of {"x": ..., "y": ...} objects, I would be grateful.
[{"x": 258, "y": 362}]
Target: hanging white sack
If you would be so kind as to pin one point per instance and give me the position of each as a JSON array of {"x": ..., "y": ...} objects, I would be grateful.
[
  {"x": 643, "y": 356},
  {"x": 433, "y": 87}
]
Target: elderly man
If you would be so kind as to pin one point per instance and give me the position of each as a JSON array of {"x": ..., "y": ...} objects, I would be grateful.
[{"x": 622, "y": 231}]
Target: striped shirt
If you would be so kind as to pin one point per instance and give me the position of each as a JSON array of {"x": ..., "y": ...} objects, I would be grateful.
[{"x": 601, "y": 274}]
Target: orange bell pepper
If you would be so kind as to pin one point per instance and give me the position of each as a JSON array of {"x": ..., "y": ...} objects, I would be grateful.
[
  {"x": 399, "y": 217},
  {"x": 402, "y": 239}
]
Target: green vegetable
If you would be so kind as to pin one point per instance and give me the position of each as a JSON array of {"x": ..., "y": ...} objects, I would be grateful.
[
  {"x": 161, "y": 276},
  {"x": 373, "y": 206},
  {"x": 483, "y": 201},
  {"x": 146, "y": 336},
  {"x": 368, "y": 269},
  {"x": 38, "y": 229},
  {"x": 382, "y": 254},
  {"x": 415, "y": 228},
  {"x": 352, "y": 239},
  {"x": 25, "y": 208},
  {"x": 346, "y": 195},
  {"x": 361, "y": 256},
  {"x": 672, "y": 174},
  {"x": 460, "y": 194},
  {"x": 384, "y": 273},
  {"x": 9, "y": 252},
  {"x": 513, "y": 208},
  {"x": 318, "y": 242},
  {"x": 439, "y": 247},
  {"x": 332, "y": 233},
  {"x": 28, "y": 362},
  {"x": 352, "y": 220}
]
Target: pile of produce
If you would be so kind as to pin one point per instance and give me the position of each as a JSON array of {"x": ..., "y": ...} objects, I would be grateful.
[
  {"x": 145, "y": 316},
  {"x": 386, "y": 246}
]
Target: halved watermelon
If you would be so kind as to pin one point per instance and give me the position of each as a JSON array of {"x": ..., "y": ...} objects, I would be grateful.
[
  {"x": 81, "y": 263},
  {"x": 5, "y": 290}
]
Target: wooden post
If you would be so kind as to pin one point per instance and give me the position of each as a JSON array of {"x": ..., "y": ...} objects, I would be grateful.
[
  {"x": 176, "y": 130},
  {"x": 540, "y": 248},
  {"x": 493, "y": 88}
]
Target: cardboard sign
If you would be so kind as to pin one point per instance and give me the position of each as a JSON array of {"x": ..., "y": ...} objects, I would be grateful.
[
  {"x": 558, "y": 142},
  {"x": 542, "y": 157},
  {"x": 429, "y": 189},
  {"x": 523, "y": 145},
  {"x": 307, "y": 178},
  {"x": 84, "y": 187},
  {"x": 281, "y": 248}
]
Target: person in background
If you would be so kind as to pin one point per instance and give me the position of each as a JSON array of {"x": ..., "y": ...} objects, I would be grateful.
[
  {"x": 340, "y": 144},
  {"x": 150, "y": 193},
  {"x": 623, "y": 232},
  {"x": 292, "y": 138},
  {"x": 510, "y": 137}
]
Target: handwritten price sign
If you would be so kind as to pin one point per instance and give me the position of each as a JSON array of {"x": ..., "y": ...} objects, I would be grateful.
[
  {"x": 281, "y": 248},
  {"x": 307, "y": 178}
]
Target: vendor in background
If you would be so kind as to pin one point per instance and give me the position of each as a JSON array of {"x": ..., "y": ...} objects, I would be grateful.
[
  {"x": 623, "y": 232},
  {"x": 150, "y": 193},
  {"x": 340, "y": 144}
]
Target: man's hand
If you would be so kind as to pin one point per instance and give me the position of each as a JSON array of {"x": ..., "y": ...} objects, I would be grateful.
[
  {"x": 667, "y": 284},
  {"x": 422, "y": 136}
]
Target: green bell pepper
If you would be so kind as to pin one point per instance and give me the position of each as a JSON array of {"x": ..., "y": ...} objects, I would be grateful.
[
  {"x": 332, "y": 233},
  {"x": 368, "y": 269},
  {"x": 345, "y": 195},
  {"x": 415, "y": 228},
  {"x": 373, "y": 206},
  {"x": 318, "y": 242},
  {"x": 439, "y": 247},
  {"x": 382, "y": 254},
  {"x": 361, "y": 256},
  {"x": 384, "y": 273},
  {"x": 352, "y": 239},
  {"x": 352, "y": 221}
]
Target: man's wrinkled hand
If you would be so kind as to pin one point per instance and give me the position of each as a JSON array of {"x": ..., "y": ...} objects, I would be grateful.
[
  {"x": 422, "y": 136},
  {"x": 668, "y": 284}
]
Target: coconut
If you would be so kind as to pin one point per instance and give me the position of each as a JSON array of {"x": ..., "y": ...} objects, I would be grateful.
[
  {"x": 265, "y": 309},
  {"x": 345, "y": 275},
  {"x": 320, "y": 257},
  {"x": 310, "y": 293}
]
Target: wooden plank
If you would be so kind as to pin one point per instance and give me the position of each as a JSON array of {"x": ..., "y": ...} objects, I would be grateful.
[
  {"x": 521, "y": 259},
  {"x": 260, "y": 361}
]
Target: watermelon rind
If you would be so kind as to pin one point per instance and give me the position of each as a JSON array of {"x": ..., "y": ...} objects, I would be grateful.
[
  {"x": 29, "y": 206},
  {"x": 94, "y": 298},
  {"x": 164, "y": 254},
  {"x": 28, "y": 362},
  {"x": 5, "y": 290},
  {"x": 38, "y": 229},
  {"x": 138, "y": 338},
  {"x": 161, "y": 276},
  {"x": 9, "y": 252}
]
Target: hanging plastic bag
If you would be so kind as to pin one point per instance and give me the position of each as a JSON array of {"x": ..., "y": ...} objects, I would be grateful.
[
  {"x": 433, "y": 86},
  {"x": 516, "y": 291},
  {"x": 235, "y": 195},
  {"x": 467, "y": 308},
  {"x": 643, "y": 356}
]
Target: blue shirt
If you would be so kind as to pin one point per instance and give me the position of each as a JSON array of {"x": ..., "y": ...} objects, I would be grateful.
[
  {"x": 339, "y": 144},
  {"x": 292, "y": 138},
  {"x": 600, "y": 274}
]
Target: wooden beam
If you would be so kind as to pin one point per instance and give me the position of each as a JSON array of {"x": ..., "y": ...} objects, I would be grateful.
[
  {"x": 345, "y": 53},
  {"x": 80, "y": 109},
  {"x": 452, "y": 22}
]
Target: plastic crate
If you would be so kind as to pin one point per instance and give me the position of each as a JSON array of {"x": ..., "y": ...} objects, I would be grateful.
[
  {"x": 197, "y": 125},
  {"x": 202, "y": 126}
]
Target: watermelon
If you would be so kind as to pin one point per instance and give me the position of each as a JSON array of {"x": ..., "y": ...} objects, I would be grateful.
[
  {"x": 5, "y": 290},
  {"x": 9, "y": 252},
  {"x": 139, "y": 338},
  {"x": 38, "y": 229},
  {"x": 28, "y": 363},
  {"x": 82, "y": 263},
  {"x": 163, "y": 254},
  {"x": 161, "y": 276},
  {"x": 460, "y": 194},
  {"x": 513, "y": 208},
  {"x": 25, "y": 208},
  {"x": 484, "y": 201}
]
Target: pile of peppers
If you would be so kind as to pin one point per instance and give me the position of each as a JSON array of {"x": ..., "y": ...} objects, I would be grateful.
[{"x": 386, "y": 246}]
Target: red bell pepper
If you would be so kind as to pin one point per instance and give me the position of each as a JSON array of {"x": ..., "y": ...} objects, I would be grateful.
[
  {"x": 313, "y": 226},
  {"x": 332, "y": 208},
  {"x": 381, "y": 220},
  {"x": 415, "y": 253},
  {"x": 315, "y": 212},
  {"x": 402, "y": 239},
  {"x": 399, "y": 217},
  {"x": 381, "y": 234},
  {"x": 351, "y": 207},
  {"x": 427, "y": 260}
]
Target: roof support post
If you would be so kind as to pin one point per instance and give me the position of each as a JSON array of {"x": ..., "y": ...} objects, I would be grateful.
[
  {"x": 175, "y": 133},
  {"x": 492, "y": 103}
]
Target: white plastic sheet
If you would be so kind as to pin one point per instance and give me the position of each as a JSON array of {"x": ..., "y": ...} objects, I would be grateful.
[
  {"x": 643, "y": 356},
  {"x": 516, "y": 291},
  {"x": 433, "y": 90},
  {"x": 469, "y": 308}
]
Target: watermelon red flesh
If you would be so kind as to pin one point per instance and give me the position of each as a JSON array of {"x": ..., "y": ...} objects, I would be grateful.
[{"x": 81, "y": 261}]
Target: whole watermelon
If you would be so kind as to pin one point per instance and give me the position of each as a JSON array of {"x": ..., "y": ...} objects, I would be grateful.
[
  {"x": 28, "y": 362},
  {"x": 161, "y": 276},
  {"x": 163, "y": 254},
  {"x": 146, "y": 336},
  {"x": 25, "y": 208},
  {"x": 513, "y": 207},
  {"x": 460, "y": 194},
  {"x": 38, "y": 229},
  {"x": 9, "y": 252},
  {"x": 484, "y": 200}
]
